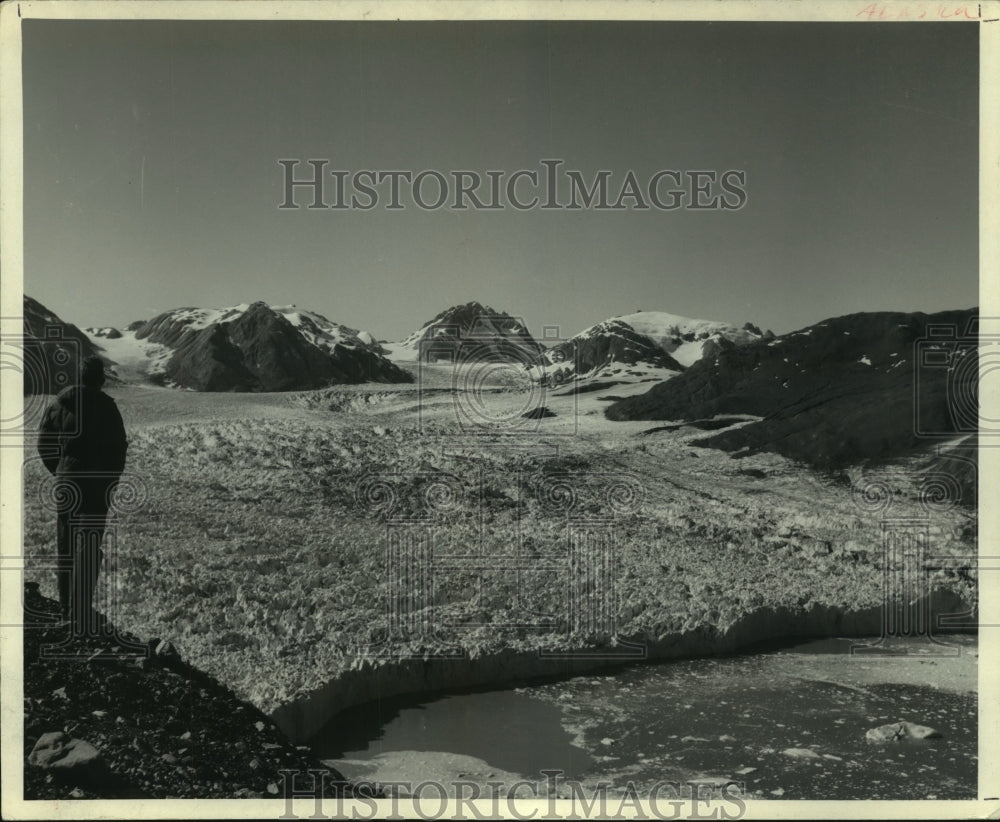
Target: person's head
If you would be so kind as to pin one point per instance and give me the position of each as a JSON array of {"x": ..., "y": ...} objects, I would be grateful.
[{"x": 92, "y": 373}]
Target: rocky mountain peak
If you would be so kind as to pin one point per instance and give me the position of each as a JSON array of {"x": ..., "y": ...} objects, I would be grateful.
[
  {"x": 258, "y": 347},
  {"x": 53, "y": 350},
  {"x": 472, "y": 329}
]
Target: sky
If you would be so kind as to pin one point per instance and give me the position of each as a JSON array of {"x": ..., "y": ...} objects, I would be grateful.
[{"x": 152, "y": 178}]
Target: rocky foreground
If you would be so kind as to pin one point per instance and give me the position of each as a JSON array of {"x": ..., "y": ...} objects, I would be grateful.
[{"x": 119, "y": 717}]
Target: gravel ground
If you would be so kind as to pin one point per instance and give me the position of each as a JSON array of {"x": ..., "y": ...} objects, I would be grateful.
[{"x": 164, "y": 729}]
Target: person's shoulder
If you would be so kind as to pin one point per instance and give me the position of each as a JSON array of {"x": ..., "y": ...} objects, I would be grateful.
[
  {"x": 68, "y": 395},
  {"x": 107, "y": 400}
]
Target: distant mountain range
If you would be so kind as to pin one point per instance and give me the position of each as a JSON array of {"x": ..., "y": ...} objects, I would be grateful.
[
  {"x": 247, "y": 347},
  {"x": 846, "y": 389},
  {"x": 255, "y": 347},
  {"x": 869, "y": 386},
  {"x": 640, "y": 344}
]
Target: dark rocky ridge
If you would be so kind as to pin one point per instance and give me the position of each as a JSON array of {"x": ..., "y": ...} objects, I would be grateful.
[
  {"x": 108, "y": 333},
  {"x": 260, "y": 350},
  {"x": 820, "y": 401},
  {"x": 474, "y": 332},
  {"x": 53, "y": 350}
]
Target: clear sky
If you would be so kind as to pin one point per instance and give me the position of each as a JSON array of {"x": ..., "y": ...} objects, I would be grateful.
[{"x": 151, "y": 174}]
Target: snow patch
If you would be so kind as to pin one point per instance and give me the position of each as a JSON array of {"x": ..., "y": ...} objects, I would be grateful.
[
  {"x": 133, "y": 358},
  {"x": 687, "y": 354},
  {"x": 401, "y": 352}
]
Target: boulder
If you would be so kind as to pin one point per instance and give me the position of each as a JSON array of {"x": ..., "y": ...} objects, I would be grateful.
[
  {"x": 815, "y": 547},
  {"x": 59, "y": 752},
  {"x": 898, "y": 731},
  {"x": 801, "y": 753}
]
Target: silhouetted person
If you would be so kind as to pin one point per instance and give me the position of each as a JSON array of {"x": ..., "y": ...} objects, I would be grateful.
[{"x": 82, "y": 442}]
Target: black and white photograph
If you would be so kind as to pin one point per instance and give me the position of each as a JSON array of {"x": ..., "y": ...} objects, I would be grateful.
[{"x": 469, "y": 411}]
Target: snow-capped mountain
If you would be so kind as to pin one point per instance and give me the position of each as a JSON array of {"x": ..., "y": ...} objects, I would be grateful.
[
  {"x": 468, "y": 331},
  {"x": 52, "y": 350},
  {"x": 610, "y": 349},
  {"x": 646, "y": 344},
  {"x": 251, "y": 347},
  {"x": 687, "y": 340}
]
